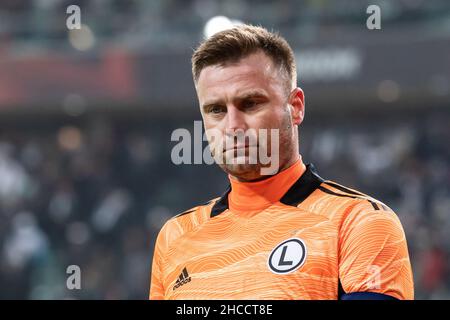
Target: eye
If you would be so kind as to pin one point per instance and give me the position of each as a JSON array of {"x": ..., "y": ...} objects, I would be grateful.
[
  {"x": 247, "y": 104},
  {"x": 216, "y": 109}
]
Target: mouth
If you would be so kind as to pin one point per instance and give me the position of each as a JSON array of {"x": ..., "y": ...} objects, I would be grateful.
[{"x": 240, "y": 147}]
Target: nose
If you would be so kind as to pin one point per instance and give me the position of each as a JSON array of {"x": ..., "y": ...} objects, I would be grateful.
[{"x": 235, "y": 121}]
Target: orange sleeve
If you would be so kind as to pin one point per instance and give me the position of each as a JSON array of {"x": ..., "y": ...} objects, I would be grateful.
[
  {"x": 156, "y": 283},
  {"x": 373, "y": 254}
]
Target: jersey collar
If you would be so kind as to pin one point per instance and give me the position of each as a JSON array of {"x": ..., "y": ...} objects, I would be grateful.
[{"x": 305, "y": 184}]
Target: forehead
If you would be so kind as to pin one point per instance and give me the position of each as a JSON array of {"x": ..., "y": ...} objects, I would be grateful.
[{"x": 254, "y": 71}]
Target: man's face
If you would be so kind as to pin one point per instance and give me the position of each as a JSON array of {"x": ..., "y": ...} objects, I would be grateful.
[{"x": 236, "y": 101}]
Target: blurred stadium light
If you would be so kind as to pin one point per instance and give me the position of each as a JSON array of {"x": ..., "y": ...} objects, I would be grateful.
[{"x": 216, "y": 24}]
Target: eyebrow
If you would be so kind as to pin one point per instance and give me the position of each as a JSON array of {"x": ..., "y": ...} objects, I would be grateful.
[
  {"x": 246, "y": 95},
  {"x": 252, "y": 94}
]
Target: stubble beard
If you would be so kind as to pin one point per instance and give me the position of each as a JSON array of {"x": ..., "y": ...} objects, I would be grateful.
[{"x": 252, "y": 170}]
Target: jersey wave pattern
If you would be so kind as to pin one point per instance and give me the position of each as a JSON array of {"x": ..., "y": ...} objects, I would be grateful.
[{"x": 320, "y": 241}]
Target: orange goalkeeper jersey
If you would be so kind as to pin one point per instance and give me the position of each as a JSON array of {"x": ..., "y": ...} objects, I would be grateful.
[{"x": 291, "y": 236}]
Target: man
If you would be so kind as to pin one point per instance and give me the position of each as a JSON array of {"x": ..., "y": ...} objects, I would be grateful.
[{"x": 286, "y": 235}]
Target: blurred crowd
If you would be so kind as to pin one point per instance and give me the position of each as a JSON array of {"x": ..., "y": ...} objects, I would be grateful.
[
  {"x": 94, "y": 193},
  {"x": 181, "y": 21}
]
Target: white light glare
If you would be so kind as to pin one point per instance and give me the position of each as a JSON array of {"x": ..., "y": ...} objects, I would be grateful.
[{"x": 217, "y": 24}]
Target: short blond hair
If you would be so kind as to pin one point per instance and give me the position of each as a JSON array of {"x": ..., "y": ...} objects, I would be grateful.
[{"x": 233, "y": 44}]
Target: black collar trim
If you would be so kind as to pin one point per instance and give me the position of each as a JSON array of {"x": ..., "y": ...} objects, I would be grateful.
[
  {"x": 298, "y": 192},
  {"x": 222, "y": 204},
  {"x": 303, "y": 187}
]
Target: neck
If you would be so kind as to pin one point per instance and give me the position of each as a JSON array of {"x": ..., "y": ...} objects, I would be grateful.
[{"x": 254, "y": 196}]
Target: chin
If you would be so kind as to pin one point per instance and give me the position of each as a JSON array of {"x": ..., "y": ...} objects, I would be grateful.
[{"x": 243, "y": 171}]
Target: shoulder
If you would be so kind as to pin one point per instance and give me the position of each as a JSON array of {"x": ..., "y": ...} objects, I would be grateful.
[
  {"x": 361, "y": 214},
  {"x": 326, "y": 196},
  {"x": 348, "y": 207},
  {"x": 184, "y": 222},
  {"x": 335, "y": 200},
  {"x": 329, "y": 199},
  {"x": 340, "y": 193}
]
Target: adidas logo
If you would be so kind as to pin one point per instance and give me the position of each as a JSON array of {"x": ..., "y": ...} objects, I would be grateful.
[{"x": 182, "y": 279}]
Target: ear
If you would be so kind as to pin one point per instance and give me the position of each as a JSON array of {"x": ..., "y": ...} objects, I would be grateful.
[{"x": 297, "y": 101}]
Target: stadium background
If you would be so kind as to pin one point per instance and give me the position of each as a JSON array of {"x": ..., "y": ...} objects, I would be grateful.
[{"x": 86, "y": 118}]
